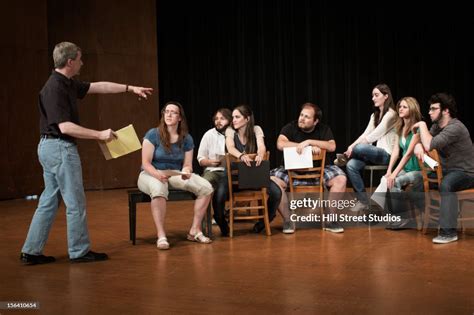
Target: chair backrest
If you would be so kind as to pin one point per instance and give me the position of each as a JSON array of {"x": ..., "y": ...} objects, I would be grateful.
[
  {"x": 233, "y": 171},
  {"x": 314, "y": 174},
  {"x": 425, "y": 170}
]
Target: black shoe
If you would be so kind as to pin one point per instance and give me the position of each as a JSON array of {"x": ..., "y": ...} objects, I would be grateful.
[
  {"x": 28, "y": 259},
  {"x": 90, "y": 257},
  {"x": 224, "y": 230},
  {"x": 222, "y": 223},
  {"x": 258, "y": 227}
]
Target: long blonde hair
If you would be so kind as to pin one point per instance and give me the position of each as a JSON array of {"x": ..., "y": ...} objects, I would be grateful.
[{"x": 414, "y": 115}]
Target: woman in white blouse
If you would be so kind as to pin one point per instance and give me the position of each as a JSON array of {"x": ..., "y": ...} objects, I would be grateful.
[{"x": 379, "y": 130}]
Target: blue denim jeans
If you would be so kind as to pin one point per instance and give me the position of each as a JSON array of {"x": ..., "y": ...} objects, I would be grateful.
[
  {"x": 363, "y": 154},
  {"x": 399, "y": 197},
  {"x": 452, "y": 181},
  {"x": 62, "y": 173}
]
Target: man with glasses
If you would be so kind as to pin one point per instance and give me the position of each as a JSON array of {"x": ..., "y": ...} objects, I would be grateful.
[{"x": 452, "y": 140}]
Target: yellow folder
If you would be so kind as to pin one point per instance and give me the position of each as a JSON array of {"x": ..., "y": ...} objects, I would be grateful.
[{"x": 126, "y": 142}]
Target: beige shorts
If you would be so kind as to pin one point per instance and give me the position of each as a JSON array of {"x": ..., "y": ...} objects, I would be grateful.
[{"x": 153, "y": 187}]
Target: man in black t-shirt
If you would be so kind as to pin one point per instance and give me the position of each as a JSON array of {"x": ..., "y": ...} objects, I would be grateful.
[
  {"x": 309, "y": 131},
  {"x": 58, "y": 155}
]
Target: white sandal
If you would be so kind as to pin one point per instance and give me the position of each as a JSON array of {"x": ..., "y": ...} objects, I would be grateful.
[
  {"x": 162, "y": 243},
  {"x": 199, "y": 237}
]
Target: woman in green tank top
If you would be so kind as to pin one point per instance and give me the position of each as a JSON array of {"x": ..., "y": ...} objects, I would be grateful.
[{"x": 407, "y": 171}]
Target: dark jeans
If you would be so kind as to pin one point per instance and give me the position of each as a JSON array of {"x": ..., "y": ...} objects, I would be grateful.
[
  {"x": 221, "y": 195},
  {"x": 452, "y": 181}
]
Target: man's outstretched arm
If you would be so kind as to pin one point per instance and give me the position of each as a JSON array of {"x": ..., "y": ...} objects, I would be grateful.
[{"x": 111, "y": 88}]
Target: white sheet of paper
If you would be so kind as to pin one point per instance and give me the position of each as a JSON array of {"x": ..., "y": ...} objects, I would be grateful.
[
  {"x": 173, "y": 172},
  {"x": 293, "y": 160},
  {"x": 379, "y": 194},
  {"x": 431, "y": 163}
]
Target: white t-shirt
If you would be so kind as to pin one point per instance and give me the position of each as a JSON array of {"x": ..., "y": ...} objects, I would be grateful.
[{"x": 212, "y": 146}]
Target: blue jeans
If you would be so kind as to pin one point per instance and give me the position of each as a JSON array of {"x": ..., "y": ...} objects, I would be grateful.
[
  {"x": 399, "y": 197},
  {"x": 452, "y": 181},
  {"x": 62, "y": 173},
  {"x": 363, "y": 154}
]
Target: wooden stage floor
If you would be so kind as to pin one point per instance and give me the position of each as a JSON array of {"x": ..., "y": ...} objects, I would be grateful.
[{"x": 363, "y": 271}]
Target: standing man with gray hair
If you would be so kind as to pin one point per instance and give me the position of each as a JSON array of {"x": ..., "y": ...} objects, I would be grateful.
[{"x": 58, "y": 155}]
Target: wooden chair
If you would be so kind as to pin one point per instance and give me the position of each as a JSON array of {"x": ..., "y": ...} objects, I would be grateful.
[
  {"x": 315, "y": 173},
  {"x": 245, "y": 204},
  {"x": 431, "y": 186}
]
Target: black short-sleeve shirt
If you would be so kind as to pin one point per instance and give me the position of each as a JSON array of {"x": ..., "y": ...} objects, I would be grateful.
[
  {"x": 58, "y": 103},
  {"x": 320, "y": 132}
]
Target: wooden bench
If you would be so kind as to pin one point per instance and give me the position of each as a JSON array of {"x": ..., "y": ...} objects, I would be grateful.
[{"x": 135, "y": 196}]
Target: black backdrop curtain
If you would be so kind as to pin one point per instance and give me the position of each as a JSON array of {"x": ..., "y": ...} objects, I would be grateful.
[{"x": 276, "y": 55}]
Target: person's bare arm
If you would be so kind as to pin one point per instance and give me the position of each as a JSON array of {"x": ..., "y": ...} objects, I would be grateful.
[
  {"x": 104, "y": 87},
  {"x": 76, "y": 131}
]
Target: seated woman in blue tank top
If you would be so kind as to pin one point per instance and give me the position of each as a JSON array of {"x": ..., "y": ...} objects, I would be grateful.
[{"x": 170, "y": 147}]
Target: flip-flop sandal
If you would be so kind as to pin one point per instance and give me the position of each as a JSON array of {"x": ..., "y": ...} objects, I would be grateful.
[
  {"x": 200, "y": 238},
  {"x": 162, "y": 243}
]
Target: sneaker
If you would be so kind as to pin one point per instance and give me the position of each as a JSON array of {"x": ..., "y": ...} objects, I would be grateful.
[
  {"x": 289, "y": 227},
  {"x": 334, "y": 227},
  {"x": 28, "y": 259},
  {"x": 359, "y": 206},
  {"x": 90, "y": 257},
  {"x": 444, "y": 239}
]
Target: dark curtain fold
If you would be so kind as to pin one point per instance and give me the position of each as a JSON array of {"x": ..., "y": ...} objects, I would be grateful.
[{"x": 276, "y": 55}]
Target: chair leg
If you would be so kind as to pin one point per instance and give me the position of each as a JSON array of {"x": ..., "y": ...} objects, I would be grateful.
[
  {"x": 414, "y": 214},
  {"x": 268, "y": 229},
  {"x": 132, "y": 212},
  {"x": 231, "y": 219},
  {"x": 427, "y": 216},
  {"x": 371, "y": 180},
  {"x": 206, "y": 224},
  {"x": 266, "y": 220},
  {"x": 426, "y": 219},
  {"x": 463, "y": 227},
  {"x": 323, "y": 223},
  {"x": 209, "y": 220}
]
